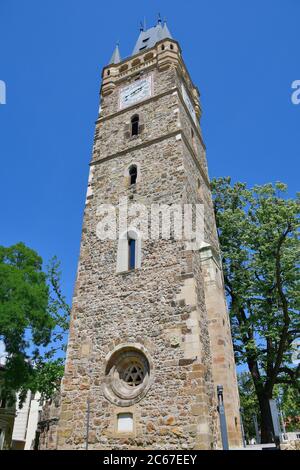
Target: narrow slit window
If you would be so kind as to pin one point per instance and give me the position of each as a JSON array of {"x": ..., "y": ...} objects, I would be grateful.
[
  {"x": 131, "y": 254},
  {"x": 133, "y": 174},
  {"x": 135, "y": 125}
]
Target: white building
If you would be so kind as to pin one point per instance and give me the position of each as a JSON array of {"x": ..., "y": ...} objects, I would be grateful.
[
  {"x": 291, "y": 436},
  {"x": 26, "y": 421}
]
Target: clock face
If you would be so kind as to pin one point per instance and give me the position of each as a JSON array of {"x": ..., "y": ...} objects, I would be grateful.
[
  {"x": 137, "y": 91},
  {"x": 188, "y": 103}
]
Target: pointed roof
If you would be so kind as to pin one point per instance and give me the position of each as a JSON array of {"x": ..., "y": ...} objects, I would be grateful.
[
  {"x": 116, "y": 57},
  {"x": 151, "y": 36}
]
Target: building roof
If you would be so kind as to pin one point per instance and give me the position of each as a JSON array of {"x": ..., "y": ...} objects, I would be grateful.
[{"x": 151, "y": 36}]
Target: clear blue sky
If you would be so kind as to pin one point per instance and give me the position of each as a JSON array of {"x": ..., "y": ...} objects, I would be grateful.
[{"x": 243, "y": 56}]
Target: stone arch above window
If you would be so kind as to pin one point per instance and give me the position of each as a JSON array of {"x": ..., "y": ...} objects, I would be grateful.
[
  {"x": 132, "y": 174},
  {"x": 129, "y": 256},
  {"x": 134, "y": 127}
]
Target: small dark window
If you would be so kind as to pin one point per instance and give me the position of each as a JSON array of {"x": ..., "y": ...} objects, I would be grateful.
[
  {"x": 162, "y": 47},
  {"x": 131, "y": 253},
  {"x": 108, "y": 72},
  {"x": 171, "y": 46},
  {"x": 135, "y": 125},
  {"x": 133, "y": 174},
  {"x": 145, "y": 40}
]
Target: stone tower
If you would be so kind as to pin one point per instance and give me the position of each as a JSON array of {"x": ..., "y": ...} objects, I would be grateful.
[{"x": 149, "y": 335}]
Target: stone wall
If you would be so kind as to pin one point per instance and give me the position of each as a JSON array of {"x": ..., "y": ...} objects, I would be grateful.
[
  {"x": 48, "y": 424},
  {"x": 290, "y": 445}
]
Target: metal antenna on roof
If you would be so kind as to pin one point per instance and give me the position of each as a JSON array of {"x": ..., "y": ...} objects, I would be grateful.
[
  {"x": 145, "y": 23},
  {"x": 141, "y": 26}
]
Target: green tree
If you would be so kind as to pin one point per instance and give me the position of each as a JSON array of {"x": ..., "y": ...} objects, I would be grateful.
[
  {"x": 33, "y": 322},
  {"x": 249, "y": 404},
  {"x": 258, "y": 231},
  {"x": 289, "y": 400},
  {"x": 287, "y": 397}
]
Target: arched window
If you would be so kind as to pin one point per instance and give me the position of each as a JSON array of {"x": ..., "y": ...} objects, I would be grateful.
[
  {"x": 131, "y": 253},
  {"x": 132, "y": 174},
  {"x": 135, "y": 125}
]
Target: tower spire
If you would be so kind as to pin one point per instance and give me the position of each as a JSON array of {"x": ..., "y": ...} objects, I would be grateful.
[
  {"x": 116, "y": 57},
  {"x": 149, "y": 37}
]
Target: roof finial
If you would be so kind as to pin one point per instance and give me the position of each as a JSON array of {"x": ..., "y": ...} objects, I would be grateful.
[
  {"x": 143, "y": 25},
  {"x": 159, "y": 19}
]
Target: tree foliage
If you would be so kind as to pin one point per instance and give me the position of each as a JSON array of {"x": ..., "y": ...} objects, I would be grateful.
[
  {"x": 287, "y": 397},
  {"x": 259, "y": 236},
  {"x": 33, "y": 321},
  {"x": 249, "y": 404}
]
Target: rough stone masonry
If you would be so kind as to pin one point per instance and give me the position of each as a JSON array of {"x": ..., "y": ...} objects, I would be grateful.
[{"x": 148, "y": 346}]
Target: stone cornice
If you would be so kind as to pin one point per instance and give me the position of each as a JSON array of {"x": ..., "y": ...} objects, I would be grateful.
[
  {"x": 160, "y": 59},
  {"x": 135, "y": 105},
  {"x": 136, "y": 147},
  {"x": 153, "y": 142}
]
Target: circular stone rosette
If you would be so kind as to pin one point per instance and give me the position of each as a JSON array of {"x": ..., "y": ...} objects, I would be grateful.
[{"x": 128, "y": 374}]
